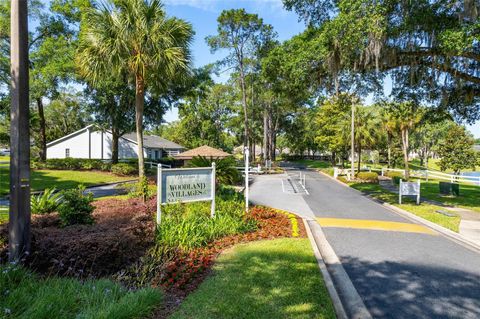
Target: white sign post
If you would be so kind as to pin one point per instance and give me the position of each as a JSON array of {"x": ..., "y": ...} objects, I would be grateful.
[
  {"x": 247, "y": 155},
  {"x": 409, "y": 188},
  {"x": 182, "y": 185}
]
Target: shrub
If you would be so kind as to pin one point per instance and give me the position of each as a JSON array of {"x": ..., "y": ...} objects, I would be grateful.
[
  {"x": 76, "y": 207},
  {"x": 72, "y": 164},
  {"x": 225, "y": 169},
  {"x": 393, "y": 174},
  {"x": 141, "y": 189},
  {"x": 189, "y": 226},
  {"x": 371, "y": 177},
  {"x": 124, "y": 169},
  {"x": 396, "y": 179},
  {"x": 45, "y": 203}
]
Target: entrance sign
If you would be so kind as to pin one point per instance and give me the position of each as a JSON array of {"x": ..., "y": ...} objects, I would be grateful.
[
  {"x": 409, "y": 189},
  {"x": 183, "y": 185}
]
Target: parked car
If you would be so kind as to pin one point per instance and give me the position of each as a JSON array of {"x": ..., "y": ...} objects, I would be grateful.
[{"x": 4, "y": 152}]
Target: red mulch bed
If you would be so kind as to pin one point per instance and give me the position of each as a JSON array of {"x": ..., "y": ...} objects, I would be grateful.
[{"x": 122, "y": 235}]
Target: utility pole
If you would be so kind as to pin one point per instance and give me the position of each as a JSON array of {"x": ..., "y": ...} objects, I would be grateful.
[
  {"x": 352, "y": 176},
  {"x": 19, "y": 216}
]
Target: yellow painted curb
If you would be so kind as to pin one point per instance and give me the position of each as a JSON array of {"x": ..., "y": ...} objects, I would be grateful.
[{"x": 375, "y": 225}]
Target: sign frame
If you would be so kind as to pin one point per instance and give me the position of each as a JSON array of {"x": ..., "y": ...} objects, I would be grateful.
[
  {"x": 400, "y": 191},
  {"x": 159, "y": 189}
]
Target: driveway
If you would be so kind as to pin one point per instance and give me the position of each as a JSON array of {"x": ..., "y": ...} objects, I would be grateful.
[{"x": 400, "y": 269}]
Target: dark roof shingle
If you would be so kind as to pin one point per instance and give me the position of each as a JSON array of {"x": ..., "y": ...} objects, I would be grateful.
[{"x": 153, "y": 141}]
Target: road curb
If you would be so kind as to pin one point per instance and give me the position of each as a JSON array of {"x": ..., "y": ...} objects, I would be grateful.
[
  {"x": 332, "y": 291},
  {"x": 444, "y": 231},
  {"x": 341, "y": 289}
]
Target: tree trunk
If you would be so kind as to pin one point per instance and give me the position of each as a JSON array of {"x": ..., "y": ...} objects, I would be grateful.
[
  {"x": 115, "y": 138},
  {"x": 334, "y": 159},
  {"x": 389, "y": 151},
  {"x": 43, "y": 135},
  {"x": 359, "y": 157},
  {"x": 139, "y": 105},
  {"x": 274, "y": 145},
  {"x": 405, "y": 152}
]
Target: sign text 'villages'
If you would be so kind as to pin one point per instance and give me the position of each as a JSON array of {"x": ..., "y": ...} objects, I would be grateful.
[{"x": 186, "y": 185}]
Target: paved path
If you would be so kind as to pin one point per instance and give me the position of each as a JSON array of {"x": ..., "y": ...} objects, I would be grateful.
[
  {"x": 399, "y": 268},
  {"x": 97, "y": 191}
]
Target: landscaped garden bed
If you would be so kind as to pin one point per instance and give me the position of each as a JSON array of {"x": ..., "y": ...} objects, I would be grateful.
[{"x": 122, "y": 244}]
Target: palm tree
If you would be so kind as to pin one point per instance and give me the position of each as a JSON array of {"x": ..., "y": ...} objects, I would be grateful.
[
  {"x": 403, "y": 117},
  {"x": 137, "y": 38},
  {"x": 366, "y": 130}
]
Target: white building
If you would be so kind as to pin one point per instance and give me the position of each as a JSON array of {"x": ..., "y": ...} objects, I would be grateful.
[{"x": 91, "y": 142}]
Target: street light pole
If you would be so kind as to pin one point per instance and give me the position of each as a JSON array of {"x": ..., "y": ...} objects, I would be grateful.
[
  {"x": 352, "y": 176},
  {"x": 19, "y": 216}
]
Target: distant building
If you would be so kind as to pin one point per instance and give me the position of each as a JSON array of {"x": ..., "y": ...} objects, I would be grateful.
[
  {"x": 476, "y": 147},
  {"x": 92, "y": 142},
  {"x": 205, "y": 151}
]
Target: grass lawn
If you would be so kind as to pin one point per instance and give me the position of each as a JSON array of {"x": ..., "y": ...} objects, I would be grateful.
[
  {"x": 424, "y": 210},
  {"x": 320, "y": 165},
  {"x": 469, "y": 195},
  {"x": 25, "y": 295},
  {"x": 4, "y": 158},
  {"x": 60, "y": 179},
  {"x": 265, "y": 279},
  {"x": 3, "y": 214}
]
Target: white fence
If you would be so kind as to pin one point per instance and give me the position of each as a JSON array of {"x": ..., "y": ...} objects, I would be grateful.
[
  {"x": 426, "y": 174},
  {"x": 348, "y": 171}
]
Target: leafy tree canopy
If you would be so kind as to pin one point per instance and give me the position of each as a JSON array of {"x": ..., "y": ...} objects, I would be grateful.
[
  {"x": 429, "y": 49},
  {"x": 456, "y": 150}
]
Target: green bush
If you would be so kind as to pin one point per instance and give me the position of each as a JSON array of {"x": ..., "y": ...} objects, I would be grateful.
[
  {"x": 393, "y": 174},
  {"x": 189, "y": 226},
  {"x": 45, "y": 203},
  {"x": 396, "y": 179},
  {"x": 76, "y": 207},
  {"x": 72, "y": 164},
  {"x": 225, "y": 169},
  {"x": 141, "y": 189},
  {"x": 125, "y": 169},
  {"x": 371, "y": 177}
]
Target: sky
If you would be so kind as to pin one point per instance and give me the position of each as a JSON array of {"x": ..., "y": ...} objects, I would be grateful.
[{"x": 202, "y": 14}]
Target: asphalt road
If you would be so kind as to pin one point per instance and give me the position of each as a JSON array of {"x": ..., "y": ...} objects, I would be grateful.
[{"x": 408, "y": 272}]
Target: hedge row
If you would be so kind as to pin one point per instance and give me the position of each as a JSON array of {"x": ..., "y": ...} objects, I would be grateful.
[
  {"x": 72, "y": 164},
  {"x": 371, "y": 177},
  {"x": 125, "y": 168}
]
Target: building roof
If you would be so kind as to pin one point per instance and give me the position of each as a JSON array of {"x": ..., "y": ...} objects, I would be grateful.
[
  {"x": 153, "y": 141},
  {"x": 149, "y": 141},
  {"x": 205, "y": 151},
  {"x": 66, "y": 137}
]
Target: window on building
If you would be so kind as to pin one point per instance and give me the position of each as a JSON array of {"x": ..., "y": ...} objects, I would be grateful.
[
  {"x": 67, "y": 152},
  {"x": 173, "y": 152}
]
